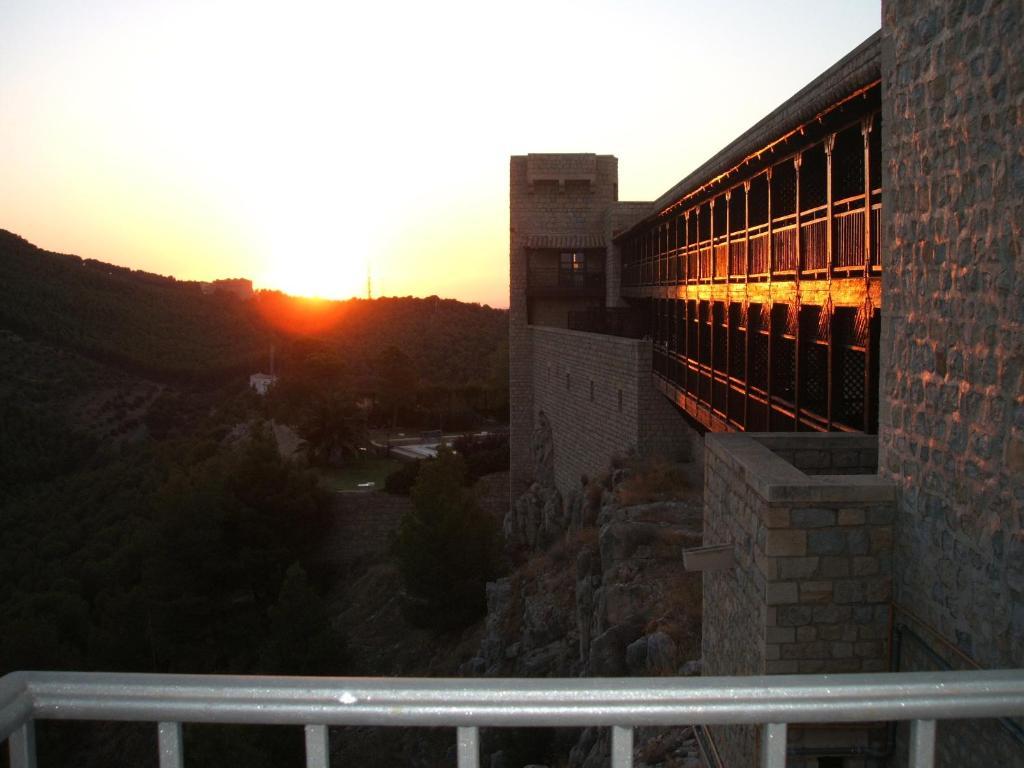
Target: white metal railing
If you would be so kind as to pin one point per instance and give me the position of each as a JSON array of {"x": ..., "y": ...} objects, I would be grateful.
[{"x": 470, "y": 703}]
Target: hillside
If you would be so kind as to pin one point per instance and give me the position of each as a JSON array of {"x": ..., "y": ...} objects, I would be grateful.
[
  {"x": 167, "y": 329},
  {"x": 150, "y": 521}
]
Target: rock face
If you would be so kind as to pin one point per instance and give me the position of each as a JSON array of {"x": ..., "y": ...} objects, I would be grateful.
[
  {"x": 535, "y": 520},
  {"x": 602, "y": 593}
]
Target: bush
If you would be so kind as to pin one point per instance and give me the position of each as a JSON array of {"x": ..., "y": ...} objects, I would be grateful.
[
  {"x": 652, "y": 479},
  {"x": 401, "y": 481},
  {"x": 446, "y": 547},
  {"x": 484, "y": 454}
]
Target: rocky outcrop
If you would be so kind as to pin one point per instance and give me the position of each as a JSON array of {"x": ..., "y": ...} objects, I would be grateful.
[
  {"x": 603, "y": 593},
  {"x": 536, "y": 520}
]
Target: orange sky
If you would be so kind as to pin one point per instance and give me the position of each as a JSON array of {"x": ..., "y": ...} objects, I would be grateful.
[{"x": 302, "y": 144}]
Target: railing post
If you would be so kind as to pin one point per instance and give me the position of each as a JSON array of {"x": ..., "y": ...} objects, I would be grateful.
[
  {"x": 469, "y": 747},
  {"x": 622, "y": 747},
  {"x": 169, "y": 744},
  {"x": 318, "y": 749},
  {"x": 830, "y": 145},
  {"x": 922, "y": 744},
  {"x": 773, "y": 745},
  {"x": 22, "y": 746}
]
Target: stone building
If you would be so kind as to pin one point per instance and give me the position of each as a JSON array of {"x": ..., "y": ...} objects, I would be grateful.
[{"x": 837, "y": 297}]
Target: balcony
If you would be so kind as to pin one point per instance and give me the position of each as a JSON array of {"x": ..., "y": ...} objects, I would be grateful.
[
  {"x": 466, "y": 705},
  {"x": 553, "y": 281},
  {"x": 610, "y": 321}
]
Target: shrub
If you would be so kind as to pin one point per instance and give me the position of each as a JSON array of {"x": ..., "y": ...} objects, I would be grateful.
[
  {"x": 653, "y": 479},
  {"x": 401, "y": 481},
  {"x": 446, "y": 547},
  {"x": 484, "y": 454}
]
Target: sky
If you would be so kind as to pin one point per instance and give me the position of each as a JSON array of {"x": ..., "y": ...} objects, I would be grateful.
[{"x": 305, "y": 145}]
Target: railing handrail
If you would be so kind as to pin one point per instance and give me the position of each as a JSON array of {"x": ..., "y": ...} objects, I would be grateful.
[{"x": 511, "y": 701}]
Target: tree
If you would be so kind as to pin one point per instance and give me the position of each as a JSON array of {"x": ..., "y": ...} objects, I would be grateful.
[
  {"x": 396, "y": 376},
  {"x": 333, "y": 431},
  {"x": 446, "y": 547}
]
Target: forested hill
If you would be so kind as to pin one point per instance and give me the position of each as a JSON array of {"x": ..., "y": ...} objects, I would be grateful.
[{"x": 169, "y": 329}]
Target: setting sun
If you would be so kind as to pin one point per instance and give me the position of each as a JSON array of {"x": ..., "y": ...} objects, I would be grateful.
[{"x": 300, "y": 149}]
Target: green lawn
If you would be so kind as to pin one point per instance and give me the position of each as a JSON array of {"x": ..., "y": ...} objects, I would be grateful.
[{"x": 348, "y": 478}]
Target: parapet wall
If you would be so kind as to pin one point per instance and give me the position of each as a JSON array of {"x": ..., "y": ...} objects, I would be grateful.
[
  {"x": 951, "y": 426},
  {"x": 811, "y": 583},
  {"x": 596, "y": 393}
]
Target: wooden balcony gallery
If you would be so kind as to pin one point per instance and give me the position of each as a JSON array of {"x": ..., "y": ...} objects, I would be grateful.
[{"x": 763, "y": 282}]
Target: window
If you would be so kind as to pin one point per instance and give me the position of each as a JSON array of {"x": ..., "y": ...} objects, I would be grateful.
[{"x": 572, "y": 269}]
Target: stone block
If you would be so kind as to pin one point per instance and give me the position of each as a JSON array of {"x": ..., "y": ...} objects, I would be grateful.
[
  {"x": 878, "y": 590},
  {"x": 872, "y": 632},
  {"x": 776, "y": 517},
  {"x": 786, "y": 667},
  {"x": 841, "y": 650},
  {"x": 881, "y": 515},
  {"x": 831, "y": 614},
  {"x": 849, "y": 591},
  {"x": 806, "y": 634},
  {"x": 777, "y": 635},
  {"x": 794, "y": 615},
  {"x": 868, "y": 649},
  {"x": 816, "y": 592},
  {"x": 785, "y": 543},
  {"x": 881, "y": 539},
  {"x": 851, "y": 517},
  {"x": 858, "y": 542},
  {"x": 778, "y": 593},
  {"x": 812, "y": 650},
  {"x": 796, "y": 567},
  {"x": 834, "y": 567},
  {"x": 812, "y": 518},
  {"x": 864, "y": 566},
  {"x": 827, "y": 542}
]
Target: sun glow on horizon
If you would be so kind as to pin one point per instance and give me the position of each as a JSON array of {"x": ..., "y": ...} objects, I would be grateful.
[{"x": 293, "y": 147}]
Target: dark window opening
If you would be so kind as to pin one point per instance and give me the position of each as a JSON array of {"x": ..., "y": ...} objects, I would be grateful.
[
  {"x": 758, "y": 330},
  {"x": 737, "y": 214},
  {"x": 783, "y": 189},
  {"x": 721, "y": 336},
  {"x": 704, "y": 222},
  {"x": 813, "y": 362},
  {"x": 813, "y": 178},
  {"x": 783, "y": 354},
  {"x": 719, "y": 213},
  {"x": 849, "y": 362},
  {"x": 705, "y": 333},
  {"x": 758, "y": 211},
  {"x": 848, "y": 164},
  {"x": 737, "y": 341}
]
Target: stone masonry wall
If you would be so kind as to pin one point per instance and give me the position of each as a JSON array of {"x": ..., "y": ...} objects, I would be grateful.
[
  {"x": 811, "y": 586},
  {"x": 617, "y": 218},
  {"x": 951, "y": 424},
  {"x": 596, "y": 393},
  {"x": 548, "y": 194}
]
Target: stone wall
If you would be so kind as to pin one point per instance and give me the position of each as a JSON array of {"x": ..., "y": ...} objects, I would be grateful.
[
  {"x": 951, "y": 426},
  {"x": 555, "y": 194},
  {"x": 618, "y": 218},
  {"x": 811, "y": 585},
  {"x": 596, "y": 393},
  {"x": 952, "y": 395}
]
